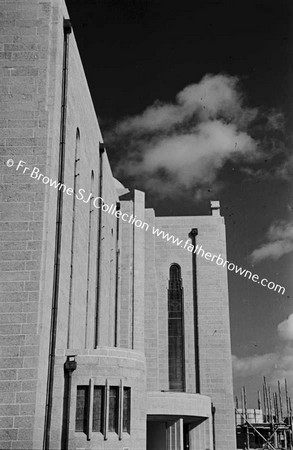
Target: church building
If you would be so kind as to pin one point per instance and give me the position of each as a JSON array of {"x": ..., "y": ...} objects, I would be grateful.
[{"x": 114, "y": 334}]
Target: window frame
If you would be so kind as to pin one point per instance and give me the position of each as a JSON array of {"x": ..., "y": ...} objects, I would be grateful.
[
  {"x": 176, "y": 336},
  {"x": 126, "y": 426},
  {"x": 85, "y": 417},
  {"x": 102, "y": 409},
  {"x": 113, "y": 412}
]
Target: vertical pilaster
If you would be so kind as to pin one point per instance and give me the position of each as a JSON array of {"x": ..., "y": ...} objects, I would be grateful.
[
  {"x": 175, "y": 439},
  {"x": 138, "y": 273}
]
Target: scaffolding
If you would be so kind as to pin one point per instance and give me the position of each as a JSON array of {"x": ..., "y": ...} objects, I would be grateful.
[{"x": 267, "y": 427}]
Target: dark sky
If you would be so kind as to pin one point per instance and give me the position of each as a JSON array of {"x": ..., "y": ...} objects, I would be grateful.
[{"x": 135, "y": 52}]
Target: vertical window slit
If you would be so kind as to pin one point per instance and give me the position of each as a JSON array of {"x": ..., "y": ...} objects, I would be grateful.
[
  {"x": 126, "y": 409},
  {"x": 98, "y": 409},
  {"x": 82, "y": 401},
  {"x": 89, "y": 260},
  {"x": 113, "y": 408},
  {"x": 176, "y": 330},
  {"x": 75, "y": 190}
]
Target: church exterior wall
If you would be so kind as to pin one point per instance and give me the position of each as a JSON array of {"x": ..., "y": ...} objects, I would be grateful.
[
  {"x": 214, "y": 359},
  {"x": 109, "y": 293}
]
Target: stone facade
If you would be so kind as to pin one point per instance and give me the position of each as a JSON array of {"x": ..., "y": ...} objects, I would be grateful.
[
  {"x": 212, "y": 367},
  {"x": 83, "y": 295}
]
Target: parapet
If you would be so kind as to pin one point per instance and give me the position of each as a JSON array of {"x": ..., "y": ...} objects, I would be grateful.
[{"x": 215, "y": 208}]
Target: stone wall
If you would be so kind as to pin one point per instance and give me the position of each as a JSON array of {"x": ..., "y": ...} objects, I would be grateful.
[
  {"x": 26, "y": 52},
  {"x": 31, "y": 61},
  {"x": 215, "y": 368},
  {"x": 31, "y": 66}
]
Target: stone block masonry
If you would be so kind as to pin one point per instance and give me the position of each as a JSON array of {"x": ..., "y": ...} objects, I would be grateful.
[
  {"x": 24, "y": 58},
  {"x": 110, "y": 298}
]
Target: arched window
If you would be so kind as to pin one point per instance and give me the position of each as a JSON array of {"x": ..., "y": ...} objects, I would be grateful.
[{"x": 176, "y": 330}]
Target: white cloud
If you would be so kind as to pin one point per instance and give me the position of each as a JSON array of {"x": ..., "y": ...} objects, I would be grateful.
[
  {"x": 173, "y": 147},
  {"x": 280, "y": 242},
  {"x": 197, "y": 155},
  {"x": 214, "y": 96},
  {"x": 254, "y": 365},
  {"x": 158, "y": 116},
  {"x": 285, "y": 170},
  {"x": 281, "y": 170},
  {"x": 274, "y": 366},
  {"x": 277, "y": 365},
  {"x": 276, "y": 119},
  {"x": 184, "y": 144},
  {"x": 285, "y": 329}
]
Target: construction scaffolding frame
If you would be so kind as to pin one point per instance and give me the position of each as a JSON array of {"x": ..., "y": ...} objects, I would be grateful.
[{"x": 267, "y": 427}]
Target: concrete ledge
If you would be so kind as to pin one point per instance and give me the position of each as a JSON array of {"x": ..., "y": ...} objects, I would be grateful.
[
  {"x": 111, "y": 352},
  {"x": 178, "y": 404}
]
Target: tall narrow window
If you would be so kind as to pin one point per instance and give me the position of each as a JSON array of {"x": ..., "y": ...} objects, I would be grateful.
[
  {"x": 126, "y": 409},
  {"x": 73, "y": 236},
  {"x": 117, "y": 276},
  {"x": 98, "y": 409},
  {"x": 100, "y": 245},
  {"x": 89, "y": 260},
  {"x": 176, "y": 330},
  {"x": 113, "y": 408},
  {"x": 82, "y": 400}
]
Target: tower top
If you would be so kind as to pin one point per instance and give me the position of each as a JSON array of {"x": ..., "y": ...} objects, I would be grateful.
[{"x": 215, "y": 207}]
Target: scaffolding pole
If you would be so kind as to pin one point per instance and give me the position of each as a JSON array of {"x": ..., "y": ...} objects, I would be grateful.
[
  {"x": 280, "y": 400},
  {"x": 246, "y": 417},
  {"x": 265, "y": 440}
]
